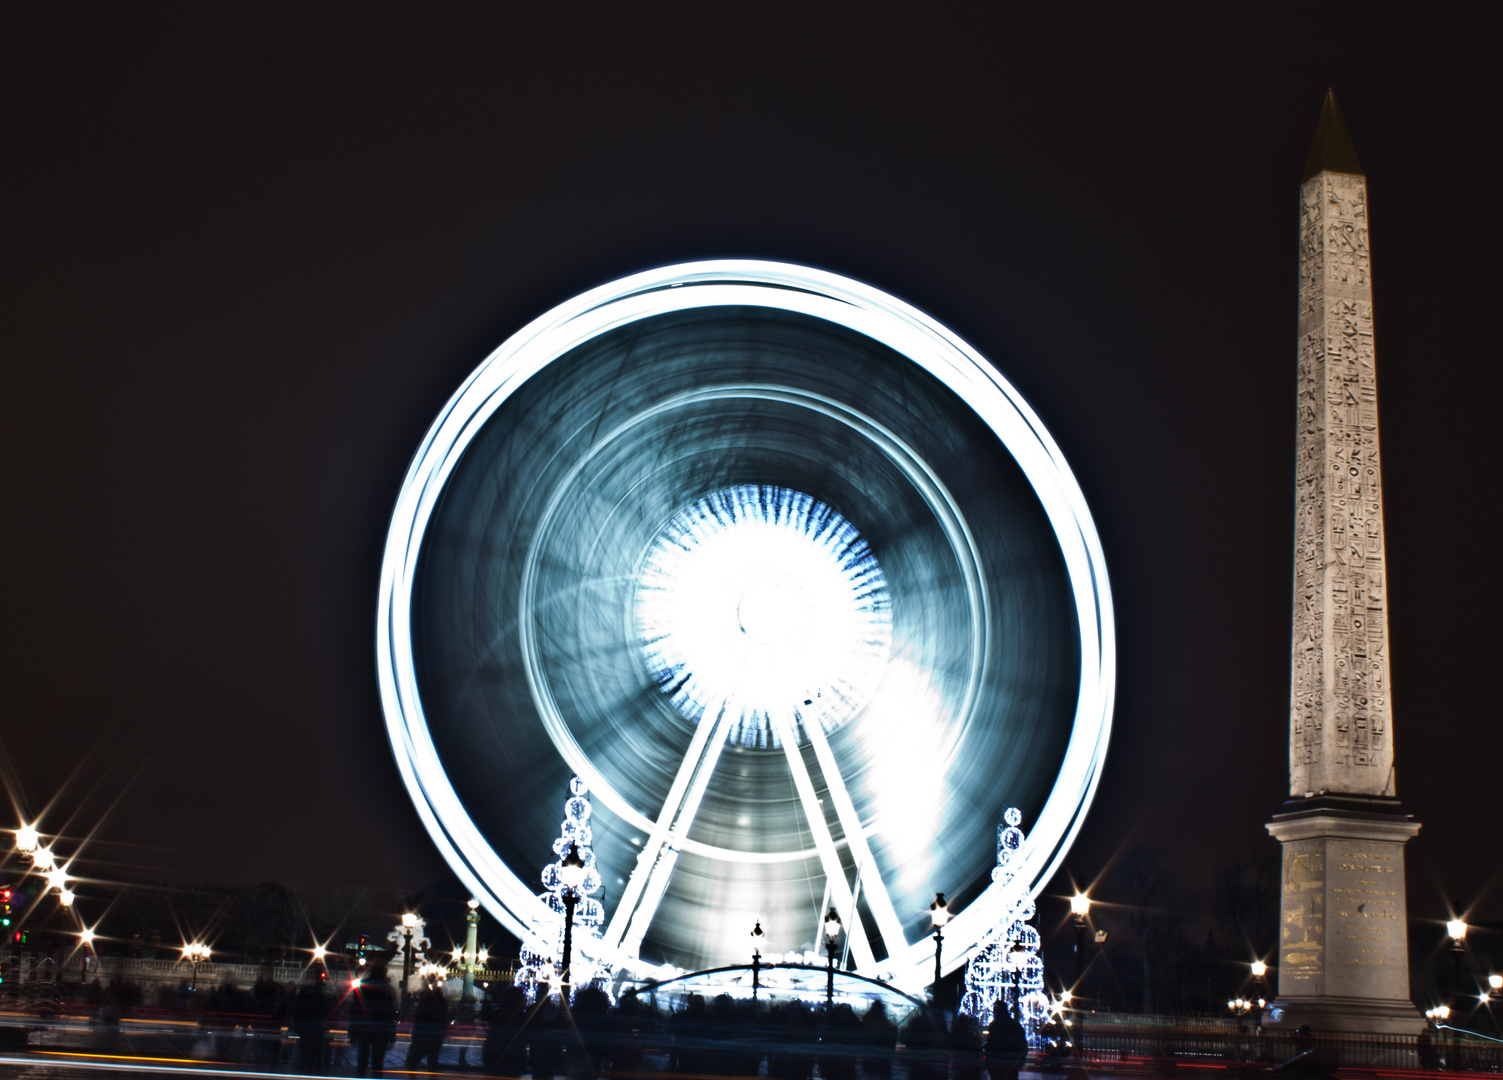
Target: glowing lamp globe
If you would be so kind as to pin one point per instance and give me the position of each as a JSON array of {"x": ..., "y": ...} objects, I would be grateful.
[
  {"x": 572, "y": 870},
  {"x": 27, "y": 839},
  {"x": 939, "y": 912},
  {"x": 832, "y": 924},
  {"x": 1259, "y": 969},
  {"x": 1080, "y": 905},
  {"x": 1456, "y": 929}
]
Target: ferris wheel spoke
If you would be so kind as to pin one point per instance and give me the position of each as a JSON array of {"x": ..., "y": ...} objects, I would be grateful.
[
  {"x": 824, "y": 843},
  {"x": 869, "y": 877},
  {"x": 639, "y": 902}
]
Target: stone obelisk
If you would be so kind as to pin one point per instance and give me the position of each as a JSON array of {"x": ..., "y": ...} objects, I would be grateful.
[{"x": 1343, "y": 960}]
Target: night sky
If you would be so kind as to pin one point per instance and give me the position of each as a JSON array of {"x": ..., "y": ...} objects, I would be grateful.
[{"x": 249, "y": 251}]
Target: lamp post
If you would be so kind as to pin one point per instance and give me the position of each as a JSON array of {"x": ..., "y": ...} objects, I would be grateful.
[
  {"x": 939, "y": 915},
  {"x": 195, "y": 952},
  {"x": 1080, "y": 907},
  {"x": 1456, "y": 931},
  {"x": 1259, "y": 970},
  {"x": 409, "y": 923},
  {"x": 832, "y": 932},
  {"x": 758, "y": 935},
  {"x": 1016, "y": 960},
  {"x": 471, "y": 944},
  {"x": 27, "y": 840},
  {"x": 571, "y": 872}
]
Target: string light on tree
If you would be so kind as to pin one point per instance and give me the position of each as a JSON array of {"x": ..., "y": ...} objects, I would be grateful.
[
  {"x": 569, "y": 886},
  {"x": 1007, "y": 967}
]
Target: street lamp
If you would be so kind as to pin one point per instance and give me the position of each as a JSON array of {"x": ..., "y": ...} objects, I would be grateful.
[
  {"x": 571, "y": 873},
  {"x": 27, "y": 839},
  {"x": 195, "y": 952},
  {"x": 66, "y": 897},
  {"x": 1456, "y": 931},
  {"x": 1015, "y": 961},
  {"x": 758, "y": 936},
  {"x": 832, "y": 932},
  {"x": 1259, "y": 970},
  {"x": 1495, "y": 983},
  {"x": 409, "y": 924},
  {"x": 939, "y": 915},
  {"x": 1080, "y": 907},
  {"x": 42, "y": 859},
  {"x": 471, "y": 942}
]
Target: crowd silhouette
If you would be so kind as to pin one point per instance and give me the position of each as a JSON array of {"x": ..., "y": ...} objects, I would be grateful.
[{"x": 724, "y": 1036}]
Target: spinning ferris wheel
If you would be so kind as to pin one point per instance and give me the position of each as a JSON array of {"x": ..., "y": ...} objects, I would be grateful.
[{"x": 789, "y": 576}]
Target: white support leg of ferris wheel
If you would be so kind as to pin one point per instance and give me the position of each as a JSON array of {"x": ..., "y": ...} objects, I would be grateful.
[
  {"x": 649, "y": 879},
  {"x": 889, "y": 926},
  {"x": 824, "y": 843}
]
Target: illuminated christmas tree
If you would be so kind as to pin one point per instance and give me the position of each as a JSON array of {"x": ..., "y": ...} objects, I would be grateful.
[
  {"x": 1008, "y": 967},
  {"x": 541, "y": 955}
]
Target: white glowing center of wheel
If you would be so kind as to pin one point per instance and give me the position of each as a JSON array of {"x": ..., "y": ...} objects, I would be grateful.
[{"x": 763, "y": 602}]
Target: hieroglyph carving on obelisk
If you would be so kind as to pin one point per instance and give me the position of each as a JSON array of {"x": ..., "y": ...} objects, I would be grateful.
[{"x": 1341, "y": 729}]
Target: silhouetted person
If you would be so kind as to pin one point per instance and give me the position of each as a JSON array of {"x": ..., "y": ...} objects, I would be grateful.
[
  {"x": 626, "y": 1024},
  {"x": 311, "y": 1006},
  {"x": 925, "y": 1037},
  {"x": 691, "y": 1030},
  {"x": 793, "y": 1050},
  {"x": 1006, "y": 1044},
  {"x": 1429, "y": 1057},
  {"x": 430, "y": 1023},
  {"x": 965, "y": 1048},
  {"x": 544, "y": 1039},
  {"x": 505, "y": 1052},
  {"x": 879, "y": 1038},
  {"x": 590, "y": 1051},
  {"x": 373, "y": 1020}
]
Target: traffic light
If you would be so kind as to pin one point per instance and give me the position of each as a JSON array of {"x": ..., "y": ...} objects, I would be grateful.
[
  {"x": 364, "y": 944},
  {"x": 5, "y": 909}
]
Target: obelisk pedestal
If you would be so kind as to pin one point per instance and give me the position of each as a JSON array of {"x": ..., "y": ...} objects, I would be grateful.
[{"x": 1343, "y": 938}]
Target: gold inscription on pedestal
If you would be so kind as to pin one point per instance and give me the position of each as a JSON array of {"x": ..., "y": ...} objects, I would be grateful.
[{"x": 1302, "y": 941}]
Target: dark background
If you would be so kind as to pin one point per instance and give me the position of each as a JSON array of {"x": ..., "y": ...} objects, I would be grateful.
[{"x": 249, "y": 250}]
